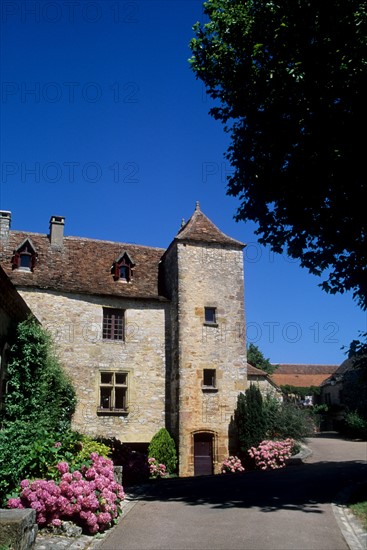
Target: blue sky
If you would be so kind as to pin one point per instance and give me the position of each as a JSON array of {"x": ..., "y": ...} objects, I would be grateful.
[{"x": 103, "y": 122}]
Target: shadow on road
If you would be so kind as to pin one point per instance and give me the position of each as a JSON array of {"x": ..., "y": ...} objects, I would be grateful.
[{"x": 299, "y": 487}]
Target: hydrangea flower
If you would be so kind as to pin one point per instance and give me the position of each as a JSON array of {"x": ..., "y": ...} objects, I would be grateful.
[
  {"x": 270, "y": 455},
  {"x": 89, "y": 497},
  {"x": 232, "y": 464}
]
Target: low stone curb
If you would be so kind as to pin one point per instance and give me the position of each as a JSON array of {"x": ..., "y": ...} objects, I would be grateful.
[
  {"x": 352, "y": 529},
  {"x": 304, "y": 453}
]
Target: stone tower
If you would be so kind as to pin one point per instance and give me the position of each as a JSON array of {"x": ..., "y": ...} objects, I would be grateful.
[{"x": 203, "y": 273}]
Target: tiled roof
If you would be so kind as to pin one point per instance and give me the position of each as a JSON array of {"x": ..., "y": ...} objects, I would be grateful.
[
  {"x": 306, "y": 369},
  {"x": 83, "y": 266},
  {"x": 12, "y": 302},
  {"x": 254, "y": 371},
  {"x": 302, "y": 375},
  {"x": 200, "y": 229}
]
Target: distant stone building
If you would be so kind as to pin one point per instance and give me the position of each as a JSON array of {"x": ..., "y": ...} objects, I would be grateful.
[{"x": 150, "y": 337}]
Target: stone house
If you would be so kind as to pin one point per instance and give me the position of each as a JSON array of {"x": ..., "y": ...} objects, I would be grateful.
[
  {"x": 263, "y": 381},
  {"x": 347, "y": 387},
  {"x": 150, "y": 337}
]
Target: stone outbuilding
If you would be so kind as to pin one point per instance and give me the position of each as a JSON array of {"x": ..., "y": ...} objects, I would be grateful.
[
  {"x": 263, "y": 381},
  {"x": 150, "y": 337}
]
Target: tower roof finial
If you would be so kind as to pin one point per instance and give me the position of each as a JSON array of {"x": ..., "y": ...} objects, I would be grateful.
[{"x": 197, "y": 207}]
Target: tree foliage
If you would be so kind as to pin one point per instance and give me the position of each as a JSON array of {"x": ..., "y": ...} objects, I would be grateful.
[
  {"x": 37, "y": 410},
  {"x": 300, "y": 392},
  {"x": 289, "y": 82},
  {"x": 256, "y": 358}
]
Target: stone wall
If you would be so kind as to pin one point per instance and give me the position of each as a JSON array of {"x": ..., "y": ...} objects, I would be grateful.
[
  {"x": 209, "y": 276},
  {"x": 18, "y": 529},
  {"x": 75, "y": 321}
]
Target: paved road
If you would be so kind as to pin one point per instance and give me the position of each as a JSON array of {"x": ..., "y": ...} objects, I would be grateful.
[{"x": 287, "y": 509}]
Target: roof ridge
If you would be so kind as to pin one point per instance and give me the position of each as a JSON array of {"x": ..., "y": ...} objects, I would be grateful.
[{"x": 76, "y": 238}]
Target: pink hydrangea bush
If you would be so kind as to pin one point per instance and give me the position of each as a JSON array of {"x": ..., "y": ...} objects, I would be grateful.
[
  {"x": 90, "y": 496},
  {"x": 231, "y": 465},
  {"x": 156, "y": 470},
  {"x": 270, "y": 455}
]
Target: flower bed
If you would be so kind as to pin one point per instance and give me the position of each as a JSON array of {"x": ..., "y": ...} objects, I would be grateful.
[
  {"x": 232, "y": 465},
  {"x": 270, "y": 455},
  {"x": 89, "y": 497},
  {"x": 156, "y": 470}
]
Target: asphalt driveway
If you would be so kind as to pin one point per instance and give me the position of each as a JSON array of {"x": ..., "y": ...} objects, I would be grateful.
[{"x": 287, "y": 509}]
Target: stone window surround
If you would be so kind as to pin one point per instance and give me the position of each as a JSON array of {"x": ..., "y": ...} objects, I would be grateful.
[
  {"x": 210, "y": 316},
  {"x": 112, "y": 386},
  {"x": 207, "y": 375}
]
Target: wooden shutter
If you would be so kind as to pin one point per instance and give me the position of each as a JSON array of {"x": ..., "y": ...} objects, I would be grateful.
[
  {"x": 33, "y": 262},
  {"x": 16, "y": 260}
]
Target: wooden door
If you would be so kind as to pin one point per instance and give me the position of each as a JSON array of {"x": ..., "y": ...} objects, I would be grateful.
[{"x": 203, "y": 454}]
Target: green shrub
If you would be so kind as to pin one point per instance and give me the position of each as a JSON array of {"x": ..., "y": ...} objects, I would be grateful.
[
  {"x": 162, "y": 447},
  {"x": 89, "y": 445},
  {"x": 355, "y": 426},
  {"x": 37, "y": 388},
  {"x": 258, "y": 419},
  {"x": 37, "y": 410},
  {"x": 285, "y": 420}
]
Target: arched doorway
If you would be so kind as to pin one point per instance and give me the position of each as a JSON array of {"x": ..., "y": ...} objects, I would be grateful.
[{"x": 203, "y": 454}]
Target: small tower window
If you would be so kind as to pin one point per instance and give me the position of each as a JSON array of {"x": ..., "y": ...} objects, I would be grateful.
[
  {"x": 209, "y": 383},
  {"x": 210, "y": 316}
]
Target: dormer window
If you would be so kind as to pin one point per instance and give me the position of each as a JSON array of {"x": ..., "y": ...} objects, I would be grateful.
[
  {"x": 122, "y": 268},
  {"x": 25, "y": 257}
]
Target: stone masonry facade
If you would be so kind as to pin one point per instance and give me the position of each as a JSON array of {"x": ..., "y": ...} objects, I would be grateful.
[{"x": 150, "y": 337}]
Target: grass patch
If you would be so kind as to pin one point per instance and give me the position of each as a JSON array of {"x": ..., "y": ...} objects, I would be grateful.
[{"x": 358, "y": 504}]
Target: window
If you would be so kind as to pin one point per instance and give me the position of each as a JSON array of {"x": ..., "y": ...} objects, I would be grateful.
[
  {"x": 24, "y": 257},
  {"x": 113, "y": 392},
  {"x": 210, "y": 316},
  {"x": 209, "y": 378},
  {"x": 113, "y": 324},
  {"x": 122, "y": 268}
]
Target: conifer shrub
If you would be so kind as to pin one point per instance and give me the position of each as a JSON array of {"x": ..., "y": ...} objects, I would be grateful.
[
  {"x": 162, "y": 447},
  {"x": 250, "y": 419}
]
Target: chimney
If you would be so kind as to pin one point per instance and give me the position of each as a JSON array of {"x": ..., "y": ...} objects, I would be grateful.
[
  {"x": 5, "y": 220},
  {"x": 57, "y": 230}
]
